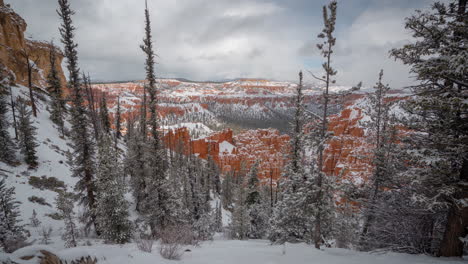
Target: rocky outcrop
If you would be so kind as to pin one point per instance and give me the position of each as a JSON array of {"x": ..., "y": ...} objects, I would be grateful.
[
  {"x": 13, "y": 47},
  {"x": 236, "y": 154}
]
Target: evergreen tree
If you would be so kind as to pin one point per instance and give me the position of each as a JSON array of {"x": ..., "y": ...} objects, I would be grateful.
[
  {"x": 118, "y": 121},
  {"x": 219, "y": 217},
  {"x": 160, "y": 204},
  {"x": 320, "y": 136},
  {"x": 55, "y": 90},
  {"x": 134, "y": 166},
  {"x": 11, "y": 231},
  {"x": 240, "y": 222},
  {"x": 438, "y": 116},
  {"x": 292, "y": 217},
  {"x": 83, "y": 148},
  {"x": 256, "y": 205},
  {"x": 27, "y": 133},
  {"x": 104, "y": 115},
  {"x": 379, "y": 127},
  {"x": 64, "y": 203},
  {"x": 112, "y": 208},
  {"x": 7, "y": 146}
]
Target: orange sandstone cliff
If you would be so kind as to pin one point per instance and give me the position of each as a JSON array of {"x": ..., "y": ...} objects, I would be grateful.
[{"x": 13, "y": 45}]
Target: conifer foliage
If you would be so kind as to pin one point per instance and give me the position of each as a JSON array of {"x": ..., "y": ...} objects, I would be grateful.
[
  {"x": 27, "y": 133},
  {"x": 112, "y": 209},
  {"x": 7, "y": 145},
  {"x": 438, "y": 112},
  {"x": 65, "y": 202},
  {"x": 57, "y": 106},
  {"x": 83, "y": 148},
  {"x": 11, "y": 231}
]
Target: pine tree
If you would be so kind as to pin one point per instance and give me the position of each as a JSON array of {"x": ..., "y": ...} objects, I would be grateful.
[
  {"x": 118, "y": 121},
  {"x": 83, "y": 148},
  {"x": 439, "y": 145},
  {"x": 219, "y": 217},
  {"x": 160, "y": 203},
  {"x": 256, "y": 205},
  {"x": 135, "y": 167},
  {"x": 34, "y": 222},
  {"x": 112, "y": 208},
  {"x": 11, "y": 231},
  {"x": 7, "y": 146},
  {"x": 104, "y": 115},
  {"x": 55, "y": 90},
  {"x": 64, "y": 203},
  {"x": 321, "y": 135},
  {"x": 292, "y": 217},
  {"x": 27, "y": 134},
  {"x": 240, "y": 222},
  {"x": 379, "y": 126}
]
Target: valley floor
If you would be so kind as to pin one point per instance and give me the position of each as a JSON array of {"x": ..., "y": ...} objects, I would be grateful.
[{"x": 230, "y": 251}]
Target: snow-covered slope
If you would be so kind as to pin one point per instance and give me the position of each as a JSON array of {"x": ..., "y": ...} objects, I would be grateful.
[{"x": 52, "y": 153}]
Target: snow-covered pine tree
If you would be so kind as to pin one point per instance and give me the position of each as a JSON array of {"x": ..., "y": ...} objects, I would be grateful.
[
  {"x": 214, "y": 175},
  {"x": 161, "y": 205},
  {"x": 83, "y": 162},
  {"x": 118, "y": 121},
  {"x": 111, "y": 206},
  {"x": 321, "y": 135},
  {"x": 219, "y": 217},
  {"x": 256, "y": 205},
  {"x": 291, "y": 220},
  {"x": 11, "y": 231},
  {"x": 134, "y": 164},
  {"x": 438, "y": 58},
  {"x": 33, "y": 221},
  {"x": 57, "y": 103},
  {"x": 240, "y": 222},
  {"x": 104, "y": 115},
  {"x": 7, "y": 145},
  {"x": 27, "y": 133},
  {"x": 64, "y": 204},
  {"x": 379, "y": 127}
]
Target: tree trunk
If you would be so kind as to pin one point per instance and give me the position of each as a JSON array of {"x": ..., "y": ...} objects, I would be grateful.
[
  {"x": 457, "y": 221},
  {"x": 14, "y": 114},
  {"x": 31, "y": 95}
]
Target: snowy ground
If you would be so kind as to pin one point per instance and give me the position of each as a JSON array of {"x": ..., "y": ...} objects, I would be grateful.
[{"x": 232, "y": 251}]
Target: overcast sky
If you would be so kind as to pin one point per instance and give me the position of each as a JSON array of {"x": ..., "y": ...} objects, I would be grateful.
[{"x": 225, "y": 39}]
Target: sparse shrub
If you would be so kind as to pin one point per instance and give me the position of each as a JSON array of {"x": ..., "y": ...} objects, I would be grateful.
[
  {"x": 47, "y": 183},
  {"x": 46, "y": 233},
  {"x": 34, "y": 221},
  {"x": 181, "y": 234},
  {"x": 38, "y": 200},
  {"x": 172, "y": 239},
  {"x": 55, "y": 216},
  {"x": 145, "y": 244},
  {"x": 171, "y": 251}
]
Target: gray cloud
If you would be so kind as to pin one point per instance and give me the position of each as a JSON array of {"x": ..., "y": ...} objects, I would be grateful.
[{"x": 222, "y": 39}]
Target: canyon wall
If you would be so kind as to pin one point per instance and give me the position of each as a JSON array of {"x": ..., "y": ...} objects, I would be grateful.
[{"x": 13, "y": 46}]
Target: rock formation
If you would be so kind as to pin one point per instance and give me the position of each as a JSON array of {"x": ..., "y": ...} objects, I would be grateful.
[{"x": 13, "y": 45}]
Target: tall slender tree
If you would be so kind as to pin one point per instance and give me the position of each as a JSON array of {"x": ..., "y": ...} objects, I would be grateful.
[
  {"x": 118, "y": 121},
  {"x": 379, "y": 128},
  {"x": 65, "y": 204},
  {"x": 6, "y": 143},
  {"x": 326, "y": 49},
  {"x": 27, "y": 133},
  {"x": 112, "y": 208},
  {"x": 83, "y": 147},
  {"x": 55, "y": 90},
  {"x": 11, "y": 231}
]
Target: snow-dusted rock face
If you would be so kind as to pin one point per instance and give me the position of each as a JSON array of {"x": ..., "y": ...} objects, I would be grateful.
[
  {"x": 13, "y": 43},
  {"x": 236, "y": 154}
]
